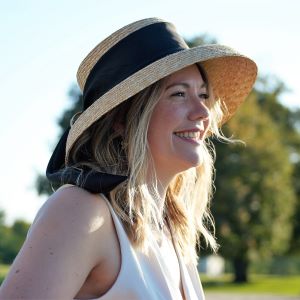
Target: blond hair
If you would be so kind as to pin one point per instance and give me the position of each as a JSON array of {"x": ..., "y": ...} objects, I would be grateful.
[{"x": 186, "y": 206}]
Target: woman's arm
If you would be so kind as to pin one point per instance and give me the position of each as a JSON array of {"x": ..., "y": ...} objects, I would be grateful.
[{"x": 61, "y": 248}]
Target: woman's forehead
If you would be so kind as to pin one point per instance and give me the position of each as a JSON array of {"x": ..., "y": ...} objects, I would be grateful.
[{"x": 185, "y": 76}]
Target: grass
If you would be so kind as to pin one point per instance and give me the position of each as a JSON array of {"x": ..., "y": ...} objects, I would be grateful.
[
  {"x": 258, "y": 284},
  {"x": 3, "y": 271}
]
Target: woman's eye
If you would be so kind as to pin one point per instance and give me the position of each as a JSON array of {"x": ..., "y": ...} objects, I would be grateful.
[
  {"x": 204, "y": 96},
  {"x": 178, "y": 94},
  {"x": 183, "y": 94}
]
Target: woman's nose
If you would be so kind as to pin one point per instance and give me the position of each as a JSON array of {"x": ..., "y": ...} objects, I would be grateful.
[{"x": 199, "y": 110}]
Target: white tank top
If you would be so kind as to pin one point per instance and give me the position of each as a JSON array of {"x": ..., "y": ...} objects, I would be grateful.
[{"x": 148, "y": 277}]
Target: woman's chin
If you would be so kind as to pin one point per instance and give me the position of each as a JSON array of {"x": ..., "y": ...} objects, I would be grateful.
[{"x": 188, "y": 163}]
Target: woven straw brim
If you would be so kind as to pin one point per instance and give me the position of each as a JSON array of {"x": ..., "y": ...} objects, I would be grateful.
[{"x": 230, "y": 74}]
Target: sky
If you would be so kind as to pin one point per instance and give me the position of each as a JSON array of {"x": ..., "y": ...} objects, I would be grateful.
[{"x": 43, "y": 43}]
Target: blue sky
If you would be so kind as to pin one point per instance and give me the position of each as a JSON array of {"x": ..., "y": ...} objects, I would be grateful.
[{"x": 43, "y": 43}]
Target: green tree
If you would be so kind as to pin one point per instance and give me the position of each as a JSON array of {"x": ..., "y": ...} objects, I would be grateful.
[
  {"x": 288, "y": 122},
  {"x": 295, "y": 242},
  {"x": 3, "y": 235},
  {"x": 12, "y": 238},
  {"x": 201, "y": 40},
  {"x": 255, "y": 199},
  {"x": 16, "y": 235}
]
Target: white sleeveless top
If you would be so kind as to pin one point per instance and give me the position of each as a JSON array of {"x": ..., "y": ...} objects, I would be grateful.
[{"x": 148, "y": 277}]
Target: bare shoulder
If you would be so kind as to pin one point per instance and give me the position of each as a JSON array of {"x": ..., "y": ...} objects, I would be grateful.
[
  {"x": 77, "y": 198},
  {"x": 65, "y": 240},
  {"x": 74, "y": 214},
  {"x": 75, "y": 206}
]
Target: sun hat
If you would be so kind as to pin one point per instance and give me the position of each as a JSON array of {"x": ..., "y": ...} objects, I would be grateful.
[{"x": 128, "y": 61}]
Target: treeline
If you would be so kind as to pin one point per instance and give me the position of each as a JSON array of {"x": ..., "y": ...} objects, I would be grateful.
[
  {"x": 11, "y": 238},
  {"x": 256, "y": 204}
]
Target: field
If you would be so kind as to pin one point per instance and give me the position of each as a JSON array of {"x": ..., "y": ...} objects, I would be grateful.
[{"x": 258, "y": 284}]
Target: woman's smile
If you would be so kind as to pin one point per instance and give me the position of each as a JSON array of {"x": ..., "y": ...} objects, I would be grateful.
[{"x": 192, "y": 136}]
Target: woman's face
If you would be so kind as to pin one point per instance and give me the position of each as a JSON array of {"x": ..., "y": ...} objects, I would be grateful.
[{"x": 179, "y": 122}]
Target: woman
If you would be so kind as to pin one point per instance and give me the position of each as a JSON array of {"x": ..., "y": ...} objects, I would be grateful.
[{"x": 138, "y": 171}]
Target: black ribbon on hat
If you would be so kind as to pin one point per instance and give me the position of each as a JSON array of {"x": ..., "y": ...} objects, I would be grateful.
[
  {"x": 131, "y": 54},
  {"x": 93, "y": 181}
]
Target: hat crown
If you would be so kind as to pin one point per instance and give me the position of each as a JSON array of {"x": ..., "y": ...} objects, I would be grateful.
[
  {"x": 134, "y": 51},
  {"x": 100, "y": 49}
]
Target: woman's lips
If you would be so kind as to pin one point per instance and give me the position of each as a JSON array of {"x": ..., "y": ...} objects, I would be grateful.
[{"x": 191, "y": 136}]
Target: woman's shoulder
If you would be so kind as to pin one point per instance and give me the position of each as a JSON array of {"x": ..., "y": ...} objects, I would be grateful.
[
  {"x": 75, "y": 205},
  {"x": 78, "y": 198},
  {"x": 74, "y": 222},
  {"x": 65, "y": 240},
  {"x": 75, "y": 216}
]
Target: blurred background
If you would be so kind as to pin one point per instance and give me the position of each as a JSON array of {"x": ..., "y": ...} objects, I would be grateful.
[{"x": 256, "y": 204}]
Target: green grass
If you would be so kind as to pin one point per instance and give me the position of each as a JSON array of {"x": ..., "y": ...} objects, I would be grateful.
[
  {"x": 258, "y": 284},
  {"x": 3, "y": 271}
]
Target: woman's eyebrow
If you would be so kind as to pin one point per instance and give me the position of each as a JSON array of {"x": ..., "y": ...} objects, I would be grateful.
[{"x": 185, "y": 84}]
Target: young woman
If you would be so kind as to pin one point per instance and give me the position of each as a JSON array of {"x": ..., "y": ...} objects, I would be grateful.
[{"x": 137, "y": 167}]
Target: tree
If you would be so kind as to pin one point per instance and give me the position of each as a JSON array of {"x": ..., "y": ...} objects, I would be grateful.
[
  {"x": 201, "y": 40},
  {"x": 3, "y": 234},
  {"x": 255, "y": 198},
  {"x": 12, "y": 239},
  {"x": 295, "y": 244},
  {"x": 288, "y": 121}
]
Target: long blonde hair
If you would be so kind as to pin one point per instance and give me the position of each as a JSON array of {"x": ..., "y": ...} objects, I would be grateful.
[{"x": 186, "y": 208}]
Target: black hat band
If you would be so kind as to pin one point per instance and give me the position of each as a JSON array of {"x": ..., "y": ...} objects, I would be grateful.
[{"x": 128, "y": 56}]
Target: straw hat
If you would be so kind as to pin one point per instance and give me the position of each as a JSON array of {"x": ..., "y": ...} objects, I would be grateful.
[{"x": 138, "y": 55}]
